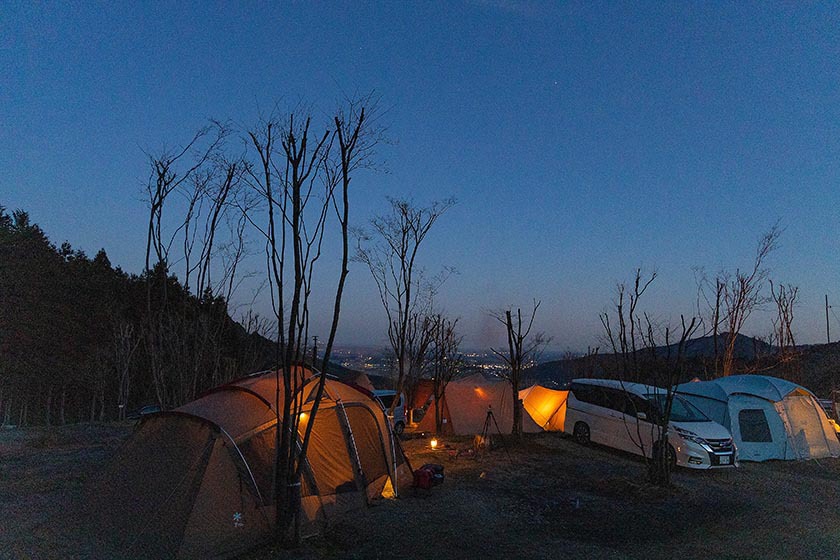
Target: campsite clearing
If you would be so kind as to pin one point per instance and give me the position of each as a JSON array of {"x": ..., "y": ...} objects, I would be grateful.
[{"x": 551, "y": 499}]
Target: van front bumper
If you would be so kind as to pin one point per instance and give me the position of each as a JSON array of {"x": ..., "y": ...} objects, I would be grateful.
[{"x": 714, "y": 456}]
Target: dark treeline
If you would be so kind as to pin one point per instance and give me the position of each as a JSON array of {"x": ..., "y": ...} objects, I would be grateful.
[{"x": 81, "y": 340}]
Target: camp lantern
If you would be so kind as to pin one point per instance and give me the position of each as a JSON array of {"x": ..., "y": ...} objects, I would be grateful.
[{"x": 434, "y": 443}]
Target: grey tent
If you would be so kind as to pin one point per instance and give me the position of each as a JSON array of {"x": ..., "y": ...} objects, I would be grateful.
[{"x": 769, "y": 418}]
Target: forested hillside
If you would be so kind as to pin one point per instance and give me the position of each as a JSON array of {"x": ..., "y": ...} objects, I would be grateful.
[{"x": 81, "y": 340}]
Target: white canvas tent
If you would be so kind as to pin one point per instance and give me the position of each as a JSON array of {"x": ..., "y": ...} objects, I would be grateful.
[
  {"x": 466, "y": 402},
  {"x": 769, "y": 418}
]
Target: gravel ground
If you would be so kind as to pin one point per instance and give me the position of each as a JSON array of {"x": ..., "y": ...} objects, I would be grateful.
[{"x": 546, "y": 498}]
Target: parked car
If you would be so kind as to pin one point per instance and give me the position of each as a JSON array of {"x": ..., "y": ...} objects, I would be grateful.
[
  {"x": 143, "y": 411},
  {"x": 830, "y": 408},
  {"x": 386, "y": 398},
  {"x": 624, "y": 416}
]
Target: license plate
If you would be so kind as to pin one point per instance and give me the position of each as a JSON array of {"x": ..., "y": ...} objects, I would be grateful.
[{"x": 725, "y": 459}]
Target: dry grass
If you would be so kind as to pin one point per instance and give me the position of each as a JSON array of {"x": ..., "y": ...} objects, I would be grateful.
[{"x": 547, "y": 498}]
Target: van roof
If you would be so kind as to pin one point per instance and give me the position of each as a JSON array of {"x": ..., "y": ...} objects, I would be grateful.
[{"x": 635, "y": 388}]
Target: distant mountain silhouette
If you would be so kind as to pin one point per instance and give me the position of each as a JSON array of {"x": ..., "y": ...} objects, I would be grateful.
[
  {"x": 746, "y": 347},
  {"x": 558, "y": 373}
]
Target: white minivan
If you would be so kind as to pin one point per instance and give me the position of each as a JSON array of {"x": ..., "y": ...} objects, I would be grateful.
[
  {"x": 623, "y": 416},
  {"x": 386, "y": 398}
]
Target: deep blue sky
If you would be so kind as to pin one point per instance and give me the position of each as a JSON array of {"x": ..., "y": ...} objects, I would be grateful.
[{"x": 581, "y": 140}]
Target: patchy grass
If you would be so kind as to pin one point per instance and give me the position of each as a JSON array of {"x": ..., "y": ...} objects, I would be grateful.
[{"x": 545, "y": 498}]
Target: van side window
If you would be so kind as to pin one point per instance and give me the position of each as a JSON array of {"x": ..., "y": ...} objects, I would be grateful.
[
  {"x": 634, "y": 404},
  {"x": 601, "y": 396},
  {"x": 754, "y": 427},
  {"x": 615, "y": 399},
  {"x": 606, "y": 397},
  {"x": 583, "y": 392}
]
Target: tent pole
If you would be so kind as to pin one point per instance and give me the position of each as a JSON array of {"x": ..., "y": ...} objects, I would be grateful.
[
  {"x": 352, "y": 450},
  {"x": 393, "y": 458}
]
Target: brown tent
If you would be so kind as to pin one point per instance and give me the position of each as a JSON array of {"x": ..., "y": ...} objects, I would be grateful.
[
  {"x": 465, "y": 405},
  {"x": 196, "y": 482}
]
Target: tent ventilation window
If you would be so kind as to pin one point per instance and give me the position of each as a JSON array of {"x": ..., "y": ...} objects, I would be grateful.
[{"x": 754, "y": 427}]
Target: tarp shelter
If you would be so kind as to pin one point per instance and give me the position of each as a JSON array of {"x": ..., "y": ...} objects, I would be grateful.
[
  {"x": 423, "y": 393},
  {"x": 546, "y": 407},
  {"x": 197, "y": 482},
  {"x": 465, "y": 405},
  {"x": 769, "y": 418},
  {"x": 363, "y": 381}
]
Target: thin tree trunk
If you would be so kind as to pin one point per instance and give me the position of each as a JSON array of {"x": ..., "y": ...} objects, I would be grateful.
[
  {"x": 7, "y": 413},
  {"x": 63, "y": 402},
  {"x": 517, "y": 407},
  {"x": 48, "y": 406},
  {"x": 438, "y": 416},
  {"x": 102, "y": 403}
]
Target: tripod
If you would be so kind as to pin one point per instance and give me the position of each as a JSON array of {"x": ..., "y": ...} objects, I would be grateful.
[{"x": 485, "y": 431}]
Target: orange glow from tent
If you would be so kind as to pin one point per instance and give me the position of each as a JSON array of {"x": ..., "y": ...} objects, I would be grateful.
[
  {"x": 434, "y": 443},
  {"x": 480, "y": 392},
  {"x": 303, "y": 417}
]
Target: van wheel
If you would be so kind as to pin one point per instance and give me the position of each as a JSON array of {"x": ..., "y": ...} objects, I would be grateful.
[
  {"x": 399, "y": 428},
  {"x": 581, "y": 433},
  {"x": 672, "y": 456}
]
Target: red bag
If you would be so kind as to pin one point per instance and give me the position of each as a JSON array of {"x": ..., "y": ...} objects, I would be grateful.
[{"x": 423, "y": 479}]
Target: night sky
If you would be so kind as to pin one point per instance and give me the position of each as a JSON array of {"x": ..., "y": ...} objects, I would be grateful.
[{"x": 581, "y": 140}]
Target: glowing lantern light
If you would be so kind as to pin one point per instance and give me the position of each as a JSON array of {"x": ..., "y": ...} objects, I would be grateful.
[{"x": 434, "y": 443}]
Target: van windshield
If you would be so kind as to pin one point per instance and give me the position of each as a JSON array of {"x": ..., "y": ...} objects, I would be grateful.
[
  {"x": 386, "y": 400},
  {"x": 681, "y": 409}
]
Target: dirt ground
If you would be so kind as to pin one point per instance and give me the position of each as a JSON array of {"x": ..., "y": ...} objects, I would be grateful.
[{"x": 547, "y": 498}]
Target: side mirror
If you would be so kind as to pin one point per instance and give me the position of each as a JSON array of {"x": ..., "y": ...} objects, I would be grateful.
[{"x": 641, "y": 416}]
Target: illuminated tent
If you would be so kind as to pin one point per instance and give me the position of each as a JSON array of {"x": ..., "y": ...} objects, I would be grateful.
[
  {"x": 196, "y": 482},
  {"x": 769, "y": 418},
  {"x": 546, "y": 407},
  {"x": 465, "y": 405}
]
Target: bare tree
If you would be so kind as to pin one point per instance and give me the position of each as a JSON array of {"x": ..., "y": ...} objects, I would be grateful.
[
  {"x": 784, "y": 296},
  {"x": 392, "y": 260},
  {"x": 191, "y": 173},
  {"x": 584, "y": 366},
  {"x": 303, "y": 178},
  {"x": 124, "y": 344},
  {"x": 648, "y": 353},
  {"x": 419, "y": 339},
  {"x": 446, "y": 361},
  {"x": 522, "y": 349},
  {"x": 736, "y": 296},
  {"x": 624, "y": 337}
]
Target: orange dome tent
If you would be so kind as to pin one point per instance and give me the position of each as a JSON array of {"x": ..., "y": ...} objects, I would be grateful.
[{"x": 196, "y": 482}]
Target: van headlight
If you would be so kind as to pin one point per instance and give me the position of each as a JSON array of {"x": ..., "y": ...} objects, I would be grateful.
[{"x": 691, "y": 436}]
